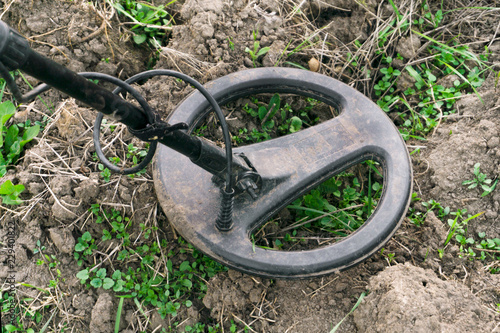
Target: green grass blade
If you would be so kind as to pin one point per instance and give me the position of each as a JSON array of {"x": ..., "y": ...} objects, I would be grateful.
[
  {"x": 451, "y": 232},
  {"x": 414, "y": 74},
  {"x": 363, "y": 294},
  {"x": 119, "y": 8},
  {"x": 47, "y": 323},
  {"x": 468, "y": 55},
  {"x": 395, "y": 10},
  {"x": 472, "y": 217},
  {"x": 463, "y": 78},
  {"x": 35, "y": 287},
  {"x": 119, "y": 314},
  {"x": 296, "y": 65}
]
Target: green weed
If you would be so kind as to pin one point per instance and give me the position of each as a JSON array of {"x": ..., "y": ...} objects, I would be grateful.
[
  {"x": 389, "y": 256},
  {"x": 480, "y": 248},
  {"x": 138, "y": 277},
  {"x": 257, "y": 50},
  {"x": 275, "y": 120},
  {"x": 84, "y": 247},
  {"x": 418, "y": 218},
  {"x": 105, "y": 172},
  {"x": 150, "y": 24},
  {"x": 13, "y": 138},
  {"x": 339, "y": 205},
  {"x": 10, "y": 193},
  {"x": 480, "y": 179},
  {"x": 423, "y": 105}
]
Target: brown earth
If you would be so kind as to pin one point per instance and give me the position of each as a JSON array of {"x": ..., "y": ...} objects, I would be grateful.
[{"x": 416, "y": 290}]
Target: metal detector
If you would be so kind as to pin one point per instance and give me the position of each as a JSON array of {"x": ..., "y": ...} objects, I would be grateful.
[{"x": 216, "y": 197}]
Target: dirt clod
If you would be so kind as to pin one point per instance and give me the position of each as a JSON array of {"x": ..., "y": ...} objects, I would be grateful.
[
  {"x": 408, "y": 46},
  {"x": 405, "y": 298},
  {"x": 63, "y": 240},
  {"x": 102, "y": 316}
]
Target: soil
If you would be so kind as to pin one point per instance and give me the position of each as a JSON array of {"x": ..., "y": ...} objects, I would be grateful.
[{"x": 415, "y": 289}]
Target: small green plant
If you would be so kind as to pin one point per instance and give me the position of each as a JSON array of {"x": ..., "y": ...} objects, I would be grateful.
[
  {"x": 105, "y": 173},
  {"x": 150, "y": 23},
  {"x": 389, "y": 256},
  {"x": 427, "y": 18},
  {"x": 84, "y": 247},
  {"x": 480, "y": 179},
  {"x": 98, "y": 280},
  {"x": 137, "y": 156},
  {"x": 257, "y": 50},
  {"x": 231, "y": 43},
  {"x": 46, "y": 259},
  {"x": 418, "y": 218},
  {"x": 275, "y": 120},
  {"x": 201, "y": 328},
  {"x": 136, "y": 153},
  {"x": 385, "y": 86},
  {"x": 10, "y": 193},
  {"x": 233, "y": 327},
  {"x": 115, "y": 219},
  {"x": 459, "y": 226},
  {"x": 13, "y": 138}
]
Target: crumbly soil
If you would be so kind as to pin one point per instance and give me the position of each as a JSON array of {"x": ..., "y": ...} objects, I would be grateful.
[{"x": 413, "y": 290}]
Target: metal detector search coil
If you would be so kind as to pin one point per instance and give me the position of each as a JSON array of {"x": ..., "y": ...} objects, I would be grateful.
[
  {"x": 217, "y": 197},
  {"x": 289, "y": 166}
]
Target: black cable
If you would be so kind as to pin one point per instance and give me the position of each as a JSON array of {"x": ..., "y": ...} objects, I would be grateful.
[
  {"x": 224, "y": 219},
  {"x": 225, "y": 130},
  {"x": 14, "y": 89},
  {"x": 122, "y": 85}
]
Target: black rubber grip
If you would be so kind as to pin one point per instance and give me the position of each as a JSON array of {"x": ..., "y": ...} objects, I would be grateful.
[{"x": 14, "y": 48}]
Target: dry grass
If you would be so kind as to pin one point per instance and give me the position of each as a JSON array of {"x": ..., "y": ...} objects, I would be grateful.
[{"x": 462, "y": 25}]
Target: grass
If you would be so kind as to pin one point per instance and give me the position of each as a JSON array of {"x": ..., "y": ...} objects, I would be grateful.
[
  {"x": 358, "y": 302},
  {"x": 257, "y": 51},
  {"x": 481, "y": 180},
  {"x": 422, "y": 106},
  {"x": 475, "y": 247},
  {"x": 413, "y": 89},
  {"x": 145, "y": 272}
]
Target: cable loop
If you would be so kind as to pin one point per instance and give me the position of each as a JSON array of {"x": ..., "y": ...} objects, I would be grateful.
[{"x": 122, "y": 85}]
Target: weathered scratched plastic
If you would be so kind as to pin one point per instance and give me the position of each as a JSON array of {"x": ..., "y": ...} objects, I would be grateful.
[{"x": 290, "y": 166}]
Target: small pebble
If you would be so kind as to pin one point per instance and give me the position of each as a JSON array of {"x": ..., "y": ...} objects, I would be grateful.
[{"x": 314, "y": 65}]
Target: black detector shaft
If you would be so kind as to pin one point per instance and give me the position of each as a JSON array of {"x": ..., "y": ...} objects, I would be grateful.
[{"x": 15, "y": 53}]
